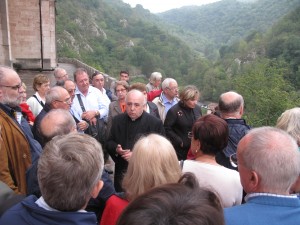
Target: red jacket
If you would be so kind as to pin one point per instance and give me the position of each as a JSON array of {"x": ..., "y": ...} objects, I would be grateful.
[
  {"x": 113, "y": 208},
  {"x": 26, "y": 110}
]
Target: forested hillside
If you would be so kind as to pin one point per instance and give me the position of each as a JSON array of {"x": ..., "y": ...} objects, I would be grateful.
[
  {"x": 263, "y": 66},
  {"x": 111, "y": 36},
  {"x": 209, "y": 27}
]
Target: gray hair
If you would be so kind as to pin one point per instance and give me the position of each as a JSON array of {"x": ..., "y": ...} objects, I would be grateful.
[
  {"x": 3, "y": 71},
  {"x": 274, "y": 155},
  {"x": 58, "y": 71},
  {"x": 290, "y": 122},
  {"x": 53, "y": 94},
  {"x": 57, "y": 122},
  {"x": 68, "y": 170},
  {"x": 230, "y": 102},
  {"x": 166, "y": 83},
  {"x": 154, "y": 77}
]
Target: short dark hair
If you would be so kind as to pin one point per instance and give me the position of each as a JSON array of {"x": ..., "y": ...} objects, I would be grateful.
[
  {"x": 212, "y": 132},
  {"x": 96, "y": 73},
  {"x": 124, "y": 71},
  {"x": 174, "y": 204}
]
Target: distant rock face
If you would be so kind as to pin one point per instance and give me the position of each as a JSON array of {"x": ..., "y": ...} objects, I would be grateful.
[
  {"x": 80, "y": 41},
  {"x": 124, "y": 23}
]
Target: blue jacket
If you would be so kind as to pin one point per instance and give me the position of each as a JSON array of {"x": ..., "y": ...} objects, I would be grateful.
[
  {"x": 28, "y": 212},
  {"x": 237, "y": 130},
  {"x": 262, "y": 210}
]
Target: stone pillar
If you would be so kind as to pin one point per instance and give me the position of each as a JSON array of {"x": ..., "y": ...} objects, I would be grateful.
[{"x": 5, "y": 46}]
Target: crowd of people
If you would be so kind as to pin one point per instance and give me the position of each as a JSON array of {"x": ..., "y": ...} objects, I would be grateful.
[{"x": 173, "y": 163}]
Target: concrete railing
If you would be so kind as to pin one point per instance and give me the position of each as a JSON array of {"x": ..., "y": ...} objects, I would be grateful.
[{"x": 78, "y": 64}]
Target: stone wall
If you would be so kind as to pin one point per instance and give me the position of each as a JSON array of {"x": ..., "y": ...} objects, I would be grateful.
[
  {"x": 90, "y": 70},
  {"x": 30, "y": 35}
]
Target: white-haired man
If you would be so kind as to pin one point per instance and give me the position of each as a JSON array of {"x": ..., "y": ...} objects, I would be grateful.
[
  {"x": 268, "y": 164},
  {"x": 67, "y": 182},
  {"x": 168, "y": 97}
]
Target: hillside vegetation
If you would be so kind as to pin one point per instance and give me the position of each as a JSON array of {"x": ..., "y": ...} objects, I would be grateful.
[
  {"x": 261, "y": 64},
  {"x": 210, "y": 26},
  {"x": 110, "y": 36}
]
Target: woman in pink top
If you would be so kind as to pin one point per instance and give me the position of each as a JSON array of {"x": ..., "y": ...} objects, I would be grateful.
[{"x": 153, "y": 163}]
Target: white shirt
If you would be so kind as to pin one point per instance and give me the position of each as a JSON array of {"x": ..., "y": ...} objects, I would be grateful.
[
  {"x": 221, "y": 180},
  {"x": 94, "y": 100},
  {"x": 35, "y": 106}
]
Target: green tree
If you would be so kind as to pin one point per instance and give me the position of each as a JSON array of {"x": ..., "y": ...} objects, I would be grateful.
[{"x": 266, "y": 93}]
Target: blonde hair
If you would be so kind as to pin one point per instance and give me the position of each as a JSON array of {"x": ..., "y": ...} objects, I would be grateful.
[
  {"x": 153, "y": 163},
  {"x": 290, "y": 122},
  {"x": 189, "y": 92},
  {"x": 38, "y": 80}
]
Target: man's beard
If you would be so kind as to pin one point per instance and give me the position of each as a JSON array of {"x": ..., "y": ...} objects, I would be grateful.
[{"x": 12, "y": 102}]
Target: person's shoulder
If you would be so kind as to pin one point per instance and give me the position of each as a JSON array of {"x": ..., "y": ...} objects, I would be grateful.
[
  {"x": 31, "y": 100},
  {"x": 94, "y": 90},
  {"x": 120, "y": 117},
  {"x": 17, "y": 213},
  {"x": 152, "y": 104},
  {"x": 151, "y": 118},
  {"x": 116, "y": 202},
  {"x": 234, "y": 214}
]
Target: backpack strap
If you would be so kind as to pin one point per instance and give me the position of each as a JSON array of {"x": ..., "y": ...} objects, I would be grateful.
[
  {"x": 181, "y": 164},
  {"x": 42, "y": 104},
  {"x": 80, "y": 102}
]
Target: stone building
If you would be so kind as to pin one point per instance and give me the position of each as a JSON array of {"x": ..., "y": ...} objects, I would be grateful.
[{"x": 27, "y": 34}]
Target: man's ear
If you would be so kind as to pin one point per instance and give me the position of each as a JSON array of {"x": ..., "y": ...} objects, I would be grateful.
[
  {"x": 241, "y": 110},
  {"x": 253, "y": 184},
  {"x": 97, "y": 188}
]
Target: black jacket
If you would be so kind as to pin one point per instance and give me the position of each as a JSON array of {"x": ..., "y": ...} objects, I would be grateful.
[
  {"x": 178, "y": 124},
  {"x": 126, "y": 132}
]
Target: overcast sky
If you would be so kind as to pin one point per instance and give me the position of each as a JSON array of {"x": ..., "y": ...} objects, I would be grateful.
[{"x": 156, "y": 6}]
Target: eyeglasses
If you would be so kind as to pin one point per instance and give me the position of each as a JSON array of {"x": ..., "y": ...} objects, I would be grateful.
[
  {"x": 71, "y": 91},
  {"x": 62, "y": 76},
  {"x": 173, "y": 88},
  {"x": 121, "y": 90},
  {"x": 15, "y": 87},
  {"x": 67, "y": 101},
  {"x": 233, "y": 160}
]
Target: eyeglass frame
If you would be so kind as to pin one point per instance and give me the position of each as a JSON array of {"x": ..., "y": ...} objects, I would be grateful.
[
  {"x": 68, "y": 101},
  {"x": 233, "y": 161},
  {"x": 15, "y": 87},
  {"x": 121, "y": 90}
]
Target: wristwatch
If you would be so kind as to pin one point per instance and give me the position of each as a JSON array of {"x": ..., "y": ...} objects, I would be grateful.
[{"x": 97, "y": 113}]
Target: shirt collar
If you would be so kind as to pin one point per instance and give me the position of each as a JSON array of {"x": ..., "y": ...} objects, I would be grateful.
[
  {"x": 165, "y": 100},
  {"x": 248, "y": 196},
  {"x": 43, "y": 204}
]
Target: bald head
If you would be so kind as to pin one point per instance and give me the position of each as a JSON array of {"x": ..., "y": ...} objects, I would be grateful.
[
  {"x": 57, "y": 122},
  {"x": 135, "y": 102},
  {"x": 58, "y": 98},
  {"x": 70, "y": 86},
  {"x": 273, "y": 155},
  {"x": 60, "y": 74},
  {"x": 231, "y": 104}
]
